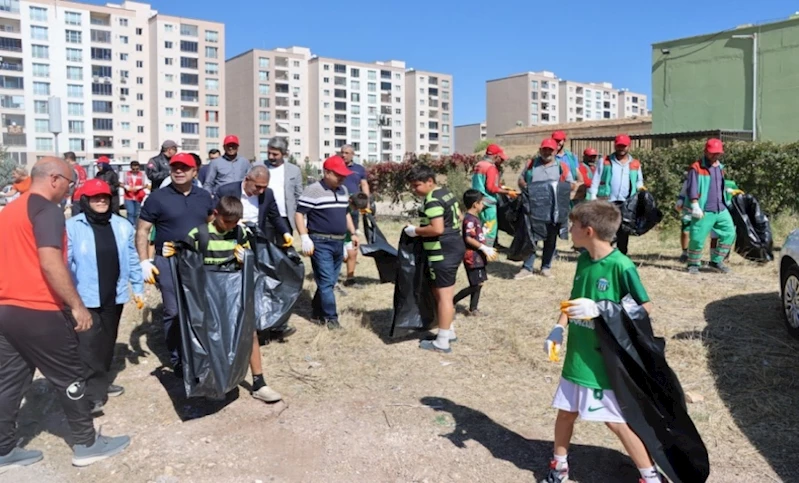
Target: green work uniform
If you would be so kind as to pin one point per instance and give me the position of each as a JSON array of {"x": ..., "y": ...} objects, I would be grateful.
[
  {"x": 721, "y": 222},
  {"x": 611, "y": 278},
  {"x": 485, "y": 179}
]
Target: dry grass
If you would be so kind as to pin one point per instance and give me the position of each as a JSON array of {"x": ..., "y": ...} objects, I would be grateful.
[{"x": 366, "y": 408}]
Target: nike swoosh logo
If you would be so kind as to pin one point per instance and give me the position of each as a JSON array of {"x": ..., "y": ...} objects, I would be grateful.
[{"x": 591, "y": 410}]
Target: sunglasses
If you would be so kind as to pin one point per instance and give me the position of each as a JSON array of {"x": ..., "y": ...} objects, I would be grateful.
[{"x": 68, "y": 180}]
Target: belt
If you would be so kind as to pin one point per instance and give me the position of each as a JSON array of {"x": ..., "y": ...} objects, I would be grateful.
[{"x": 328, "y": 236}]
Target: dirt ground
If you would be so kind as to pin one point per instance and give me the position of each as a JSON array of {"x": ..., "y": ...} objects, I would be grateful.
[{"x": 361, "y": 407}]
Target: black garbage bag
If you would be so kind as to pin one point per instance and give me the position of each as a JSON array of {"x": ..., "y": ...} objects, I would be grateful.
[
  {"x": 649, "y": 394},
  {"x": 640, "y": 213},
  {"x": 541, "y": 203},
  {"x": 508, "y": 213},
  {"x": 414, "y": 304},
  {"x": 217, "y": 321},
  {"x": 377, "y": 247},
  {"x": 752, "y": 228},
  {"x": 279, "y": 275}
]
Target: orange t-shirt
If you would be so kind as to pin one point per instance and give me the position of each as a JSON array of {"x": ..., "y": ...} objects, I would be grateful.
[
  {"x": 23, "y": 186},
  {"x": 29, "y": 223}
]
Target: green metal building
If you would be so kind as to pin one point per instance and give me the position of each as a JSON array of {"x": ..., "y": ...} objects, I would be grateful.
[{"x": 710, "y": 81}]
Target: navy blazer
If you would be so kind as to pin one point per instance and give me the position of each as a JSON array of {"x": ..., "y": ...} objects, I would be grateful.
[{"x": 270, "y": 222}]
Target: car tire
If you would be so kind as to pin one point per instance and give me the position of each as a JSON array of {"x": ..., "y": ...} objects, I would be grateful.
[{"x": 790, "y": 300}]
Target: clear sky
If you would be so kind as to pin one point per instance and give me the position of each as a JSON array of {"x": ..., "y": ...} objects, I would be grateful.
[{"x": 477, "y": 40}]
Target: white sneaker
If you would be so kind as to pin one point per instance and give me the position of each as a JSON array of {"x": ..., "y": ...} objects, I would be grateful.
[{"x": 267, "y": 394}]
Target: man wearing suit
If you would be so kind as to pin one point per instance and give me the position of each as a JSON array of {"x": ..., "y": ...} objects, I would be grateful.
[{"x": 286, "y": 180}]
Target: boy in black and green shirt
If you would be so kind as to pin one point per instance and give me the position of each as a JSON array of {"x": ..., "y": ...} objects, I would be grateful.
[
  {"x": 226, "y": 242},
  {"x": 440, "y": 223},
  {"x": 603, "y": 273}
]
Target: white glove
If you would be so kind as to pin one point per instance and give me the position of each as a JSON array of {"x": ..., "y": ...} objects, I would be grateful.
[
  {"x": 148, "y": 271},
  {"x": 410, "y": 230},
  {"x": 696, "y": 211},
  {"x": 238, "y": 252},
  {"x": 307, "y": 245},
  {"x": 582, "y": 308},
  {"x": 489, "y": 252}
]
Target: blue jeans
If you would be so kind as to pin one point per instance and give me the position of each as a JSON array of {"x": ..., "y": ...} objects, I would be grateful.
[
  {"x": 326, "y": 264},
  {"x": 550, "y": 243},
  {"x": 170, "y": 310},
  {"x": 133, "y": 208}
]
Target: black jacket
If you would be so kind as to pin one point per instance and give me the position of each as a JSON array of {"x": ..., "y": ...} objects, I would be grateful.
[
  {"x": 270, "y": 222},
  {"x": 157, "y": 170},
  {"x": 649, "y": 393}
]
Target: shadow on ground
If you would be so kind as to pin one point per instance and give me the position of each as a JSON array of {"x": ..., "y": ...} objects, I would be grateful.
[
  {"x": 379, "y": 321},
  {"x": 754, "y": 363},
  {"x": 588, "y": 464}
]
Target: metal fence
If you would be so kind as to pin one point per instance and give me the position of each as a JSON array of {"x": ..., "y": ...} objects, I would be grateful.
[{"x": 604, "y": 144}]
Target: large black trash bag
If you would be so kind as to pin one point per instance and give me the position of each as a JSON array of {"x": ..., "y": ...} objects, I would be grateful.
[
  {"x": 508, "y": 213},
  {"x": 279, "y": 275},
  {"x": 649, "y": 394},
  {"x": 414, "y": 304},
  {"x": 217, "y": 321},
  {"x": 541, "y": 203},
  {"x": 752, "y": 228},
  {"x": 376, "y": 246},
  {"x": 640, "y": 213}
]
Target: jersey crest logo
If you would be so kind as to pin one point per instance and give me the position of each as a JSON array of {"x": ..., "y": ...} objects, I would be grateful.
[{"x": 602, "y": 284}]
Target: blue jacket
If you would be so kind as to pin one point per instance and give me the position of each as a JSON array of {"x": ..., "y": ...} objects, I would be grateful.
[
  {"x": 271, "y": 224},
  {"x": 82, "y": 260}
]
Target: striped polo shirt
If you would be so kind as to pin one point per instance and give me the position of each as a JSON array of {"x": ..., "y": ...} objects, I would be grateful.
[
  {"x": 220, "y": 244},
  {"x": 325, "y": 208},
  {"x": 440, "y": 203}
]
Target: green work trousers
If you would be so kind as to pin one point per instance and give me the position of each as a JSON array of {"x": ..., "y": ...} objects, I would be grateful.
[
  {"x": 722, "y": 224},
  {"x": 490, "y": 226}
]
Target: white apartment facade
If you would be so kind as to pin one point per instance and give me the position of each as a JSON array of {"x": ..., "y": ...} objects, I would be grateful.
[
  {"x": 267, "y": 96},
  {"x": 428, "y": 113},
  {"x": 597, "y": 101}
]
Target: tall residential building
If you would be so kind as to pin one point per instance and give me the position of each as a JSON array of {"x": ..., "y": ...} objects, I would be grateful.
[
  {"x": 357, "y": 103},
  {"x": 267, "y": 95},
  {"x": 540, "y": 98},
  {"x": 468, "y": 135},
  {"x": 107, "y": 66},
  {"x": 187, "y": 83},
  {"x": 428, "y": 111}
]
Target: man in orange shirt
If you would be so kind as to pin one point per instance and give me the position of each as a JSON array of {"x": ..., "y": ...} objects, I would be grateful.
[
  {"x": 35, "y": 332},
  {"x": 22, "y": 182}
]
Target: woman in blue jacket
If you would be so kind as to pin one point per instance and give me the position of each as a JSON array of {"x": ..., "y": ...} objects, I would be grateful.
[{"x": 102, "y": 258}]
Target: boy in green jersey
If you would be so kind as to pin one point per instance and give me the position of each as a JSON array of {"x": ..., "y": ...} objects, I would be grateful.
[{"x": 603, "y": 273}]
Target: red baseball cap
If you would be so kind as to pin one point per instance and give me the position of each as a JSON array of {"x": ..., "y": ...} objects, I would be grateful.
[
  {"x": 103, "y": 160},
  {"x": 95, "y": 187},
  {"x": 495, "y": 150},
  {"x": 183, "y": 158},
  {"x": 622, "y": 140},
  {"x": 714, "y": 146},
  {"x": 559, "y": 136},
  {"x": 590, "y": 152},
  {"x": 231, "y": 139},
  {"x": 549, "y": 143},
  {"x": 337, "y": 165}
]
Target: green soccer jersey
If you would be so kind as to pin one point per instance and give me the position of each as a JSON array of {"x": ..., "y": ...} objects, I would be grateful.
[{"x": 611, "y": 278}]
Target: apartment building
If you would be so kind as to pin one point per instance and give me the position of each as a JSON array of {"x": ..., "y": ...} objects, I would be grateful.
[
  {"x": 357, "y": 103},
  {"x": 267, "y": 96},
  {"x": 187, "y": 83},
  {"x": 632, "y": 104},
  {"x": 468, "y": 135},
  {"x": 428, "y": 111},
  {"x": 595, "y": 101}
]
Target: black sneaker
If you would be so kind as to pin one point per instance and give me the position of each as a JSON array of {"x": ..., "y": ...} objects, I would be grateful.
[
  {"x": 350, "y": 282},
  {"x": 97, "y": 408},
  {"x": 719, "y": 267},
  {"x": 280, "y": 334},
  {"x": 115, "y": 391},
  {"x": 177, "y": 370}
]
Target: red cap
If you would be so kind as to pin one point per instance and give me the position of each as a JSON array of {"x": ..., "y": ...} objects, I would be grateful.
[
  {"x": 337, "y": 165},
  {"x": 103, "y": 160},
  {"x": 622, "y": 140},
  {"x": 559, "y": 136},
  {"x": 494, "y": 150},
  {"x": 95, "y": 187},
  {"x": 183, "y": 158},
  {"x": 590, "y": 152},
  {"x": 714, "y": 146},
  {"x": 231, "y": 139},
  {"x": 549, "y": 143}
]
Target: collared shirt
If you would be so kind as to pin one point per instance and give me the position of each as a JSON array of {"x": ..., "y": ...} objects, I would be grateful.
[
  {"x": 277, "y": 183},
  {"x": 223, "y": 171},
  {"x": 353, "y": 181},
  {"x": 174, "y": 214},
  {"x": 325, "y": 208},
  {"x": 250, "y": 206},
  {"x": 619, "y": 179}
]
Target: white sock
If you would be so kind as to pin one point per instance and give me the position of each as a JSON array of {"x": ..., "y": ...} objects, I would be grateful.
[
  {"x": 649, "y": 475},
  {"x": 562, "y": 461},
  {"x": 452, "y": 331},
  {"x": 442, "y": 339}
]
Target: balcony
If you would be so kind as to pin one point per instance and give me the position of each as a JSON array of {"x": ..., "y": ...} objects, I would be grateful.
[
  {"x": 189, "y": 113},
  {"x": 11, "y": 6},
  {"x": 106, "y": 142},
  {"x": 432, "y": 92},
  {"x": 385, "y": 109},
  {"x": 281, "y": 75},
  {"x": 281, "y": 62},
  {"x": 579, "y": 91},
  {"x": 190, "y": 144},
  {"x": 433, "y": 126},
  {"x": 281, "y": 88},
  {"x": 385, "y": 134},
  {"x": 281, "y": 102},
  {"x": 12, "y": 66},
  {"x": 445, "y": 106},
  {"x": 11, "y": 139},
  {"x": 385, "y": 98},
  {"x": 99, "y": 19},
  {"x": 433, "y": 81},
  {"x": 432, "y": 113},
  {"x": 10, "y": 26},
  {"x": 386, "y": 146},
  {"x": 100, "y": 36},
  {"x": 12, "y": 102},
  {"x": 433, "y": 136},
  {"x": 432, "y": 102},
  {"x": 189, "y": 96},
  {"x": 7, "y": 82},
  {"x": 10, "y": 45},
  {"x": 281, "y": 115}
]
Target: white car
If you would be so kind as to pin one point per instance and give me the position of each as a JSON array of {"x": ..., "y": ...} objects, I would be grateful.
[{"x": 789, "y": 282}]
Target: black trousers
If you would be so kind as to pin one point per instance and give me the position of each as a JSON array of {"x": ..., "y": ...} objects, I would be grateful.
[
  {"x": 96, "y": 350},
  {"x": 622, "y": 238},
  {"x": 44, "y": 340}
]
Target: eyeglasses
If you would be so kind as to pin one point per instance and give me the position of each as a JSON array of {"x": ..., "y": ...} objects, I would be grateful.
[{"x": 68, "y": 180}]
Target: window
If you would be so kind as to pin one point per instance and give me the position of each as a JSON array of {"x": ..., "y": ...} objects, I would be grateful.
[
  {"x": 340, "y": 106},
  {"x": 264, "y": 116},
  {"x": 189, "y": 95},
  {"x": 41, "y": 107},
  {"x": 211, "y": 52},
  {"x": 75, "y": 108},
  {"x": 170, "y": 128},
  {"x": 103, "y": 124},
  {"x": 211, "y": 100},
  {"x": 211, "y": 132},
  {"x": 126, "y": 144},
  {"x": 102, "y": 106},
  {"x": 100, "y": 36},
  {"x": 41, "y": 88},
  {"x": 76, "y": 144},
  {"x": 124, "y": 108},
  {"x": 38, "y": 14},
  {"x": 263, "y": 102},
  {"x": 123, "y": 39},
  {"x": 189, "y": 128},
  {"x": 212, "y": 116},
  {"x": 372, "y": 87},
  {"x": 169, "y": 61},
  {"x": 102, "y": 89},
  {"x": 263, "y": 89},
  {"x": 44, "y": 144},
  {"x": 125, "y": 125},
  {"x": 74, "y": 36},
  {"x": 138, "y": 31},
  {"x": 189, "y": 79},
  {"x": 101, "y": 54},
  {"x": 169, "y": 78},
  {"x": 188, "y": 46},
  {"x": 123, "y": 22},
  {"x": 263, "y": 62},
  {"x": 74, "y": 73},
  {"x": 264, "y": 129},
  {"x": 296, "y": 76},
  {"x": 169, "y": 27},
  {"x": 355, "y": 109},
  {"x": 72, "y": 18},
  {"x": 101, "y": 71},
  {"x": 43, "y": 52},
  {"x": 189, "y": 30},
  {"x": 75, "y": 127},
  {"x": 140, "y": 81},
  {"x": 169, "y": 111},
  {"x": 188, "y": 63},
  {"x": 38, "y": 33},
  {"x": 211, "y": 68},
  {"x": 140, "y": 113},
  {"x": 140, "y": 130},
  {"x": 41, "y": 70},
  {"x": 212, "y": 84},
  {"x": 211, "y": 36},
  {"x": 297, "y": 128},
  {"x": 263, "y": 75},
  {"x": 168, "y": 44},
  {"x": 372, "y": 99}
]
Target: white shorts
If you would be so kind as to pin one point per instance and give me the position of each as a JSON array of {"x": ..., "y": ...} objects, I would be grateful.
[{"x": 599, "y": 405}]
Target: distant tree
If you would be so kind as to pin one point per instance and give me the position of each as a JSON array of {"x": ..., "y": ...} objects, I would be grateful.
[
  {"x": 7, "y": 165},
  {"x": 481, "y": 146}
]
